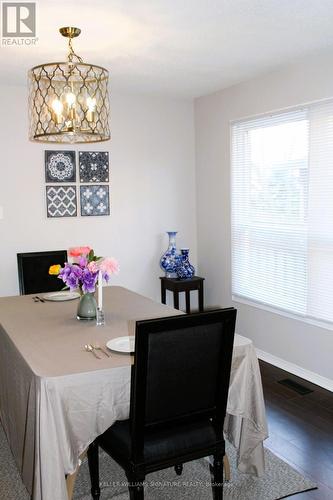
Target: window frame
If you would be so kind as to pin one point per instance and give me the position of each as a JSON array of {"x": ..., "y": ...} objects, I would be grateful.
[{"x": 238, "y": 298}]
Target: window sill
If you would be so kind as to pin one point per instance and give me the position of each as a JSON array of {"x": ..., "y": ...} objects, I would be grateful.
[{"x": 305, "y": 319}]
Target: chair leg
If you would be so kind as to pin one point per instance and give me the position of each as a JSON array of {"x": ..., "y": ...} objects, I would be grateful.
[
  {"x": 136, "y": 492},
  {"x": 217, "y": 479},
  {"x": 93, "y": 463},
  {"x": 226, "y": 465},
  {"x": 135, "y": 487},
  {"x": 179, "y": 469}
]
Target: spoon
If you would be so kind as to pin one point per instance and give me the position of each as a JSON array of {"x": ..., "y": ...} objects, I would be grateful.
[
  {"x": 97, "y": 346},
  {"x": 89, "y": 348}
]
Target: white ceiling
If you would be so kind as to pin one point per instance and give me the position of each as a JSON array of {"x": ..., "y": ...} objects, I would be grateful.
[{"x": 177, "y": 47}]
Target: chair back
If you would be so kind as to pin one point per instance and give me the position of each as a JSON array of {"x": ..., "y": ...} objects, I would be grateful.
[
  {"x": 33, "y": 271},
  {"x": 181, "y": 371}
]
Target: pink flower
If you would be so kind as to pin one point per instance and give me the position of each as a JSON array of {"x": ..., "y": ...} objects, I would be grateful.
[
  {"x": 93, "y": 266},
  {"x": 108, "y": 265},
  {"x": 78, "y": 251}
]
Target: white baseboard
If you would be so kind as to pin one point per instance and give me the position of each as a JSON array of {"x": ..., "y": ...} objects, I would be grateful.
[{"x": 324, "y": 382}]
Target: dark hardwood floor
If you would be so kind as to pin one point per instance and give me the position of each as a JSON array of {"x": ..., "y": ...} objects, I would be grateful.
[{"x": 300, "y": 429}]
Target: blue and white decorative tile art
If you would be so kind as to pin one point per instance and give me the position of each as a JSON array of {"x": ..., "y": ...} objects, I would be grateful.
[
  {"x": 94, "y": 166},
  {"x": 94, "y": 200},
  {"x": 60, "y": 166},
  {"x": 61, "y": 201}
]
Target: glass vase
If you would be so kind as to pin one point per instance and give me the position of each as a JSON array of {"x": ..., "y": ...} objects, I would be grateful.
[
  {"x": 86, "y": 309},
  {"x": 170, "y": 259},
  {"x": 185, "y": 270}
]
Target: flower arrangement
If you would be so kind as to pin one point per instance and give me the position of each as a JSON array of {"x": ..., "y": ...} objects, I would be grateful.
[{"x": 84, "y": 269}]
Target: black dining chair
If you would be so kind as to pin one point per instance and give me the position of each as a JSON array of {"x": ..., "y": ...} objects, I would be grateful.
[
  {"x": 179, "y": 389},
  {"x": 33, "y": 271}
]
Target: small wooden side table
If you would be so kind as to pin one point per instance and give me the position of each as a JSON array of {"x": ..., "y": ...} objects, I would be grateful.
[{"x": 176, "y": 286}]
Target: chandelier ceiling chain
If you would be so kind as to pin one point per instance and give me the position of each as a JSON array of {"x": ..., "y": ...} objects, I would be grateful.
[
  {"x": 71, "y": 33},
  {"x": 71, "y": 53},
  {"x": 69, "y": 101}
]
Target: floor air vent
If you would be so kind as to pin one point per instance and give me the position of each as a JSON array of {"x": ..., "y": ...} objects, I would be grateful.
[{"x": 294, "y": 386}]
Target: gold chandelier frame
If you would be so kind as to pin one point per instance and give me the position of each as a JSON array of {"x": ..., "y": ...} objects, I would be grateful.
[{"x": 69, "y": 101}]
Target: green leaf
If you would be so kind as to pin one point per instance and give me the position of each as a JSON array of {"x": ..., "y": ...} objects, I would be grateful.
[{"x": 91, "y": 255}]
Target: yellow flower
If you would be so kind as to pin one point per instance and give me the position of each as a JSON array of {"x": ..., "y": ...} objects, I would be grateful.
[{"x": 55, "y": 269}]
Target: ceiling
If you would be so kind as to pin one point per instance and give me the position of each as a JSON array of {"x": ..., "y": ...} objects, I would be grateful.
[{"x": 182, "y": 48}]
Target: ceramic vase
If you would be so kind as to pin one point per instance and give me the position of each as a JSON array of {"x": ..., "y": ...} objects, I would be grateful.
[
  {"x": 86, "y": 309},
  {"x": 185, "y": 270},
  {"x": 170, "y": 259}
]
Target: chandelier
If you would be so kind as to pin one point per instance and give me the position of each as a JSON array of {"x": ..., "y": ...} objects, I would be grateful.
[{"x": 69, "y": 101}]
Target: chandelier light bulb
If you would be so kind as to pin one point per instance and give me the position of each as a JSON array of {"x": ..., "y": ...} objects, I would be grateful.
[
  {"x": 70, "y": 99},
  {"x": 91, "y": 103},
  {"x": 57, "y": 106},
  {"x": 57, "y": 109}
]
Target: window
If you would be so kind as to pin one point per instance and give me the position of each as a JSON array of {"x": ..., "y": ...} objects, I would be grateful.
[{"x": 282, "y": 211}]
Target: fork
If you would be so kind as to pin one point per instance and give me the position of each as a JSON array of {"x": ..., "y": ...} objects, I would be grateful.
[
  {"x": 37, "y": 299},
  {"x": 104, "y": 351}
]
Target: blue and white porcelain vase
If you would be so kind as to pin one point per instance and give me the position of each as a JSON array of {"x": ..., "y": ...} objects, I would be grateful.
[
  {"x": 185, "y": 270},
  {"x": 170, "y": 259}
]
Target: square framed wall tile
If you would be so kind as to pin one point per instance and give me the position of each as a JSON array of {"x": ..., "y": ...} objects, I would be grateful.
[
  {"x": 60, "y": 166},
  {"x": 94, "y": 166},
  {"x": 94, "y": 200},
  {"x": 61, "y": 201}
]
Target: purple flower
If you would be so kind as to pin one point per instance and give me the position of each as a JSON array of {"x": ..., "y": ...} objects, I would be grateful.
[
  {"x": 88, "y": 281},
  {"x": 83, "y": 261},
  {"x": 72, "y": 281},
  {"x": 77, "y": 271},
  {"x": 65, "y": 271},
  {"x": 80, "y": 275},
  {"x": 71, "y": 275}
]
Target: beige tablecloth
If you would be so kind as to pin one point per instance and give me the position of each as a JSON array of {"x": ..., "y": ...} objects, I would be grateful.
[{"x": 55, "y": 398}]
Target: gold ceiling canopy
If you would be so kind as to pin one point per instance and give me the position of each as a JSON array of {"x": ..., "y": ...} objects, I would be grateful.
[{"x": 69, "y": 101}]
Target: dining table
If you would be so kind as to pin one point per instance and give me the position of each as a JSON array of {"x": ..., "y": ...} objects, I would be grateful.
[{"x": 56, "y": 397}]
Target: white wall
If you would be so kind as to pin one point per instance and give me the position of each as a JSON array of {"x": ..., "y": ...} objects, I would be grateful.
[
  {"x": 305, "y": 345},
  {"x": 152, "y": 189}
]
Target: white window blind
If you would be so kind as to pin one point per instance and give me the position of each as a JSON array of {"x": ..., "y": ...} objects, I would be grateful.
[{"x": 282, "y": 211}]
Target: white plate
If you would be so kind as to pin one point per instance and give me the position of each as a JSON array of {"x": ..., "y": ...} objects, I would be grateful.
[
  {"x": 60, "y": 296},
  {"x": 122, "y": 344}
]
